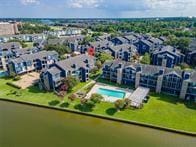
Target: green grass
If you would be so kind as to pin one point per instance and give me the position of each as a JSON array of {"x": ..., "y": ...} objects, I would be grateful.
[
  {"x": 29, "y": 44},
  {"x": 56, "y": 28},
  {"x": 162, "y": 110}
]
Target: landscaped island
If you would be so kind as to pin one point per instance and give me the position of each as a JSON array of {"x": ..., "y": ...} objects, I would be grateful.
[{"x": 161, "y": 110}]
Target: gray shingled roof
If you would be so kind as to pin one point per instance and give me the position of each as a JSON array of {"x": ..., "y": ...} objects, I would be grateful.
[
  {"x": 124, "y": 47},
  {"x": 168, "y": 49},
  {"x": 54, "y": 70},
  {"x": 155, "y": 40},
  {"x": 123, "y": 40},
  {"x": 79, "y": 61},
  {"x": 146, "y": 42},
  {"x": 100, "y": 44},
  {"x": 130, "y": 37},
  {"x": 38, "y": 55},
  {"x": 10, "y": 45}
]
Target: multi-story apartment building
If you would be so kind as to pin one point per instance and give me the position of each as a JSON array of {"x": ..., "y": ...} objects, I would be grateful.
[
  {"x": 159, "y": 79},
  {"x": 32, "y": 62},
  {"x": 22, "y": 37},
  {"x": 6, "y": 52},
  {"x": 78, "y": 66},
  {"x": 167, "y": 56},
  {"x": 123, "y": 52}
]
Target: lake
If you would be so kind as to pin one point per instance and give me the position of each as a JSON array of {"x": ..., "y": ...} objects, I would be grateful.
[{"x": 28, "y": 126}]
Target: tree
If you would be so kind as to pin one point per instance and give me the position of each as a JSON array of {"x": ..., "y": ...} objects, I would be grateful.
[
  {"x": 72, "y": 97},
  {"x": 83, "y": 101},
  {"x": 86, "y": 40},
  {"x": 102, "y": 57},
  {"x": 84, "y": 32},
  {"x": 119, "y": 104},
  {"x": 19, "y": 41},
  {"x": 98, "y": 64},
  {"x": 96, "y": 98},
  {"x": 60, "y": 49},
  {"x": 94, "y": 70},
  {"x": 33, "y": 28},
  {"x": 71, "y": 82},
  {"x": 183, "y": 44},
  {"x": 127, "y": 102},
  {"x": 146, "y": 59}
]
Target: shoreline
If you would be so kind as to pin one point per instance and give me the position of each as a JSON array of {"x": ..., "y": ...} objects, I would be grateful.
[{"x": 147, "y": 125}]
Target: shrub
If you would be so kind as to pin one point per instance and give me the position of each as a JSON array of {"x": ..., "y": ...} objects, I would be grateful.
[
  {"x": 96, "y": 98},
  {"x": 119, "y": 104},
  {"x": 17, "y": 78},
  {"x": 184, "y": 66},
  {"x": 72, "y": 97}
]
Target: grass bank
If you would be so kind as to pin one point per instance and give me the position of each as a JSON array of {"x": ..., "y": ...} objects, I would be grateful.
[{"x": 161, "y": 110}]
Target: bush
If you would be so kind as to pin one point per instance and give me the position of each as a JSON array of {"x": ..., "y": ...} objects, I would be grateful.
[
  {"x": 184, "y": 66},
  {"x": 119, "y": 104},
  {"x": 96, "y": 98},
  {"x": 72, "y": 97},
  {"x": 14, "y": 92},
  {"x": 13, "y": 85},
  {"x": 17, "y": 78},
  {"x": 94, "y": 70},
  {"x": 146, "y": 59},
  {"x": 71, "y": 82}
]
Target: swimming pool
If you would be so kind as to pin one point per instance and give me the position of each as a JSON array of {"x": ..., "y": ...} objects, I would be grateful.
[{"x": 111, "y": 93}]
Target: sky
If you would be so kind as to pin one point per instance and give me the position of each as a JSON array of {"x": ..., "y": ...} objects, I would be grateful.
[{"x": 96, "y": 8}]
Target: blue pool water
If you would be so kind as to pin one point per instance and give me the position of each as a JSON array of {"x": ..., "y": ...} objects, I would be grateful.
[{"x": 112, "y": 93}]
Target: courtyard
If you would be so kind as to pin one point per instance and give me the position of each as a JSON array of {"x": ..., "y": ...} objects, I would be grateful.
[{"x": 27, "y": 80}]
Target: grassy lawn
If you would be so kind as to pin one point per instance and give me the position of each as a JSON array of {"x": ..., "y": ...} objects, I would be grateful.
[
  {"x": 161, "y": 110},
  {"x": 56, "y": 28},
  {"x": 29, "y": 44}
]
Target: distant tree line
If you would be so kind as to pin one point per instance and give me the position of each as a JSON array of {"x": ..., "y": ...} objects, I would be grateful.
[
  {"x": 29, "y": 28},
  {"x": 157, "y": 28}
]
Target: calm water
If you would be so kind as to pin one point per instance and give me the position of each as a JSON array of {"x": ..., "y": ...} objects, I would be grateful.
[
  {"x": 117, "y": 94},
  {"x": 26, "y": 126}
]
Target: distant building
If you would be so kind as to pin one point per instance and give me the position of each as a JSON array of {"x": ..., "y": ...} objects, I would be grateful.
[
  {"x": 8, "y": 28},
  {"x": 22, "y": 37},
  {"x": 78, "y": 66},
  {"x": 71, "y": 41}
]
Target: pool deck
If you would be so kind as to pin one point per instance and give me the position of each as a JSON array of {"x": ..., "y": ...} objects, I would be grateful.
[{"x": 108, "y": 98}]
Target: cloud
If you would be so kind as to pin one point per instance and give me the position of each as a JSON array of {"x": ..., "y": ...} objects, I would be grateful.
[
  {"x": 84, "y": 3},
  {"x": 171, "y": 4},
  {"x": 30, "y": 2}
]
